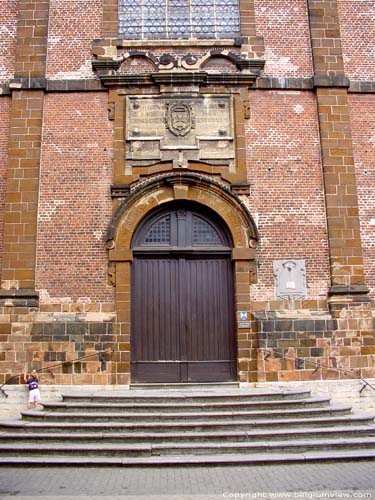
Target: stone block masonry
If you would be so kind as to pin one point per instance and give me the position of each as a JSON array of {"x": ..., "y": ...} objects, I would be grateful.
[
  {"x": 292, "y": 348},
  {"x": 22, "y": 191},
  {"x": 32, "y": 33},
  {"x": 70, "y": 351},
  {"x": 340, "y": 187}
]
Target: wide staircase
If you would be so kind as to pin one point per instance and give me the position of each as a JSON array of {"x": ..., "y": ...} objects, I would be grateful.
[{"x": 189, "y": 426}]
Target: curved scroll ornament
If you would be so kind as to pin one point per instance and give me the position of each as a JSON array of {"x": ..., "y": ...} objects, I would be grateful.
[
  {"x": 112, "y": 273},
  {"x": 179, "y": 118}
]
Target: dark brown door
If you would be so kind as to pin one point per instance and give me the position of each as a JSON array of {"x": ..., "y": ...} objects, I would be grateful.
[{"x": 182, "y": 301}]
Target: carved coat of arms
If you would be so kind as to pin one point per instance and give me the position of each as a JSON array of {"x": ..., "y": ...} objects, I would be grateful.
[{"x": 179, "y": 118}]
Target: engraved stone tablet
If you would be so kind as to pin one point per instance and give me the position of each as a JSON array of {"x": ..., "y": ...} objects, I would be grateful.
[
  {"x": 290, "y": 278},
  {"x": 179, "y": 129}
]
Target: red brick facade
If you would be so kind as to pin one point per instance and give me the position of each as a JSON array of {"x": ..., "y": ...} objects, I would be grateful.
[
  {"x": 287, "y": 193},
  {"x": 362, "y": 117},
  {"x": 69, "y": 40},
  {"x": 72, "y": 228},
  {"x": 284, "y": 25},
  {"x": 291, "y": 177},
  {"x": 357, "y": 36}
]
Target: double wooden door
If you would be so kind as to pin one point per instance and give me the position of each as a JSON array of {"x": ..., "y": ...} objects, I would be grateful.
[{"x": 182, "y": 301}]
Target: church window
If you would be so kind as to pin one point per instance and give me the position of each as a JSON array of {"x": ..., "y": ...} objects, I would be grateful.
[{"x": 178, "y": 19}]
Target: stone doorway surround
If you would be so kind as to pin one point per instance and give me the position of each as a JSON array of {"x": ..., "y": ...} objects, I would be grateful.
[{"x": 217, "y": 196}]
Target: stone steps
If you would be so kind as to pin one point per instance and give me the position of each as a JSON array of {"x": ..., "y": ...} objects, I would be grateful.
[
  {"x": 147, "y": 450},
  {"x": 218, "y": 437},
  {"x": 193, "y": 460},
  {"x": 185, "y": 406},
  {"x": 202, "y": 416},
  {"x": 161, "y": 426},
  {"x": 185, "y": 386},
  {"x": 192, "y": 427},
  {"x": 185, "y": 396}
]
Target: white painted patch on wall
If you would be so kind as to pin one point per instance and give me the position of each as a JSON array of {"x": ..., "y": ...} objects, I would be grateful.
[
  {"x": 83, "y": 71},
  {"x": 279, "y": 64},
  {"x": 84, "y": 300},
  {"x": 45, "y": 298},
  {"x": 372, "y": 222},
  {"x": 54, "y": 40},
  {"x": 299, "y": 109},
  {"x": 50, "y": 208},
  {"x": 4, "y": 30},
  {"x": 98, "y": 235}
]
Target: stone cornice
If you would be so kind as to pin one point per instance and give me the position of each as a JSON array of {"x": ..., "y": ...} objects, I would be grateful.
[{"x": 95, "y": 84}]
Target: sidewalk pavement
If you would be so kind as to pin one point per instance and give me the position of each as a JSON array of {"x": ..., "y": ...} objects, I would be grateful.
[{"x": 340, "y": 480}]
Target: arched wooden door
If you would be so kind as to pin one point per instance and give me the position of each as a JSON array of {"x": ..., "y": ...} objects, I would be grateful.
[{"x": 182, "y": 299}]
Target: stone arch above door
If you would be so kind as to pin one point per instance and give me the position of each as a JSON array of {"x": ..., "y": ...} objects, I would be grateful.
[{"x": 156, "y": 191}]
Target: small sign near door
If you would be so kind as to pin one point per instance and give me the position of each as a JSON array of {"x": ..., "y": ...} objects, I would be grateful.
[{"x": 244, "y": 323}]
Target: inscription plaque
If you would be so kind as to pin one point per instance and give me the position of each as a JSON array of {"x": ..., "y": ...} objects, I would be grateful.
[
  {"x": 179, "y": 129},
  {"x": 290, "y": 278}
]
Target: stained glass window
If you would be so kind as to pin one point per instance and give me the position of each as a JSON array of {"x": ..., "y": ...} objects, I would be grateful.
[{"x": 178, "y": 19}]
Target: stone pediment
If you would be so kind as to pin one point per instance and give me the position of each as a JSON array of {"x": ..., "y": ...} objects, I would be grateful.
[{"x": 178, "y": 69}]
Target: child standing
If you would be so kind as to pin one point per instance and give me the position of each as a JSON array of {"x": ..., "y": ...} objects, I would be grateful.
[{"x": 32, "y": 381}]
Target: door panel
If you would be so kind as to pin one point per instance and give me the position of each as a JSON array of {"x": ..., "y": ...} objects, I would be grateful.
[
  {"x": 209, "y": 320},
  {"x": 155, "y": 318},
  {"x": 182, "y": 320},
  {"x": 156, "y": 293},
  {"x": 182, "y": 299}
]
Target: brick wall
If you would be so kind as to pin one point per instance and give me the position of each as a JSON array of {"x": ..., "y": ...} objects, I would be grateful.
[
  {"x": 73, "y": 26},
  {"x": 286, "y": 182},
  {"x": 362, "y": 116},
  {"x": 8, "y": 30},
  {"x": 75, "y": 204},
  {"x": 358, "y": 35},
  {"x": 285, "y": 27}
]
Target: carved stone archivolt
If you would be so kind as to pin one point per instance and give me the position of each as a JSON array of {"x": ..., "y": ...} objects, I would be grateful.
[{"x": 193, "y": 187}]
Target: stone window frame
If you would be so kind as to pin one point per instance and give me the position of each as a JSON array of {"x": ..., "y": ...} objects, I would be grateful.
[{"x": 251, "y": 43}]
